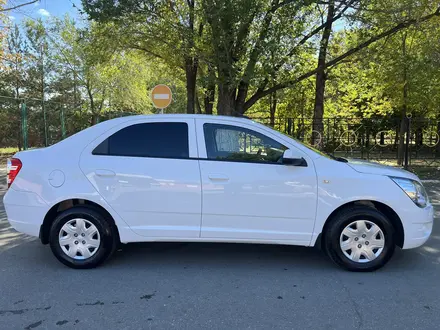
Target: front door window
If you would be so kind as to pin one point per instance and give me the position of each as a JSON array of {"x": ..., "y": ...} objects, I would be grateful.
[{"x": 232, "y": 143}]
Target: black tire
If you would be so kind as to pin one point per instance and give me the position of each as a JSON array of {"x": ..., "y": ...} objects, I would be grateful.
[
  {"x": 342, "y": 219},
  {"x": 107, "y": 233}
]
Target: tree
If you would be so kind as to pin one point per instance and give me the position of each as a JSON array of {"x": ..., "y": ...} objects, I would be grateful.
[
  {"x": 369, "y": 38},
  {"x": 166, "y": 30},
  {"x": 4, "y": 20},
  {"x": 88, "y": 69},
  {"x": 14, "y": 77},
  {"x": 241, "y": 35},
  {"x": 318, "y": 112},
  {"x": 232, "y": 39},
  {"x": 400, "y": 53},
  {"x": 3, "y": 9}
]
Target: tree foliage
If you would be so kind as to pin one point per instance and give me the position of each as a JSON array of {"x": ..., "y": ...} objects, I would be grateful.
[
  {"x": 249, "y": 49},
  {"x": 60, "y": 69}
]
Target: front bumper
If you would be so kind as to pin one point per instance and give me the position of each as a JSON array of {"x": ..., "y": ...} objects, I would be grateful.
[{"x": 418, "y": 228}]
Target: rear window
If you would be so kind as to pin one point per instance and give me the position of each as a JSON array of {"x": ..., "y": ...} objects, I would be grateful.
[{"x": 159, "y": 140}]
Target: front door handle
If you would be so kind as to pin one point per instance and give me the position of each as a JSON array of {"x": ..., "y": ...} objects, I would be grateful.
[
  {"x": 218, "y": 177},
  {"x": 105, "y": 173}
]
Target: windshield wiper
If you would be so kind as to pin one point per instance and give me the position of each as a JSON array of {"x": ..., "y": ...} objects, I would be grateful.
[{"x": 339, "y": 159}]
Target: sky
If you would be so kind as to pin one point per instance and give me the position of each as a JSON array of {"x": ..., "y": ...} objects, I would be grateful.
[
  {"x": 43, "y": 9},
  {"x": 46, "y": 8}
]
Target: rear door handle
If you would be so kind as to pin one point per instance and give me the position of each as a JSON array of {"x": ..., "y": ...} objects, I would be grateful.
[
  {"x": 105, "y": 173},
  {"x": 218, "y": 177}
]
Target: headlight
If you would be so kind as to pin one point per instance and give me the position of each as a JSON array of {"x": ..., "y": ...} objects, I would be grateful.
[{"x": 414, "y": 190}]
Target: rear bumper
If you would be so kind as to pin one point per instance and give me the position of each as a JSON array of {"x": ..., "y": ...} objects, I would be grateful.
[
  {"x": 25, "y": 211},
  {"x": 418, "y": 228}
]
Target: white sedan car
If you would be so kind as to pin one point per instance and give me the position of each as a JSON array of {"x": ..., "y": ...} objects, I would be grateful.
[{"x": 197, "y": 178}]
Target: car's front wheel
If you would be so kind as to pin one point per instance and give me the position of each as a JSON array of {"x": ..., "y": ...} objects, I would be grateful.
[
  {"x": 360, "y": 238},
  {"x": 81, "y": 237}
]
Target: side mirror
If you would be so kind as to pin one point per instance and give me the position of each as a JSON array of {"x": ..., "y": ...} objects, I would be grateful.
[{"x": 290, "y": 159}]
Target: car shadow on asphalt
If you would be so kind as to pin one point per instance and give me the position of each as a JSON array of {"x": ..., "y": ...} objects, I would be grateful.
[
  {"x": 222, "y": 254},
  {"x": 10, "y": 238},
  {"x": 229, "y": 255}
]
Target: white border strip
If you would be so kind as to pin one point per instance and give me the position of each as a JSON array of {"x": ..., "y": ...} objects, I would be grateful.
[
  {"x": 430, "y": 181},
  {"x": 161, "y": 96}
]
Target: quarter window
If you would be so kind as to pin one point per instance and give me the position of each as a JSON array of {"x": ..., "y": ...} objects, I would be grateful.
[
  {"x": 232, "y": 143},
  {"x": 159, "y": 140}
]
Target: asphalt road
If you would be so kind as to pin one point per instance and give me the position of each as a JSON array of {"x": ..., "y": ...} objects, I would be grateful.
[{"x": 216, "y": 286}]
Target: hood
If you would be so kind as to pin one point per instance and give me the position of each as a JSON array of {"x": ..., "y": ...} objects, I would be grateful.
[{"x": 363, "y": 166}]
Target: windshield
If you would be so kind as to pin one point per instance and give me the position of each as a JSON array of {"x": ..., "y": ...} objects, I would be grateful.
[
  {"x": 319, "y": 152},
  {"x": 308, "y": 146}
]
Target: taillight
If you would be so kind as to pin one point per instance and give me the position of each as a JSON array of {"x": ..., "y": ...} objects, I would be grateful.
[{"x": 13, "y": 166}]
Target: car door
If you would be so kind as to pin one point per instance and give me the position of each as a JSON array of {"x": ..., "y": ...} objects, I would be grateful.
[
  {"x": 247, "y": 192},
  {"x": 148, "y": 172}
]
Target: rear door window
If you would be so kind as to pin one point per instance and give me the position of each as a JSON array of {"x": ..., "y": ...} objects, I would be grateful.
[{"x": 158, "y": 140}]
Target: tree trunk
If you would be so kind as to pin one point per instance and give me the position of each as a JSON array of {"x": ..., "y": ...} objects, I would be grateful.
[
  {"x": 249, "y": 70},
  {"x": 191, "y": 66},
  {"x": 75, "y": 102},
  {"x": 273, "y": 108},
  {"x": 209, "y": 96},
  {"x": 419, "y": 137},
  {"x": 20, "y": 134},
  {"x": 241, "y": 97},
  {"x": 191, "y": 63},
  {"x": 94, "y": 120},
  {"x": 437, "y": 147},
  {"x": 403, "y": 122},
  {"x": 318, "y": 112},
  {"x": 17, "y": 97},
  {"x": 198, "y": 106},
  {"x": 367, "y": 138},
  {"x": 402, "y": 131},
  {"x": 396, "y": 138},
  {"x": 226, "y": 100}
]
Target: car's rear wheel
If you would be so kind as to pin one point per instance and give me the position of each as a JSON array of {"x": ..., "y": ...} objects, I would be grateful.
[
  {"x": 360, "y": 238},
  {"x": 81, "y": 237}
]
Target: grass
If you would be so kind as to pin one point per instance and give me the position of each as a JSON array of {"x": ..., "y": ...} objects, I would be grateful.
[{"x": 426, "y": 172}]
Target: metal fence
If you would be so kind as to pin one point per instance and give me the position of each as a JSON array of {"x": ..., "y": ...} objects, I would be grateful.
[
  {"x": 407, "y": 141},
  {"x": 32, "y": 123}
]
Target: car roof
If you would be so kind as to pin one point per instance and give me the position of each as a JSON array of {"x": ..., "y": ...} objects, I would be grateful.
[{"x": 186, "y": 116}]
